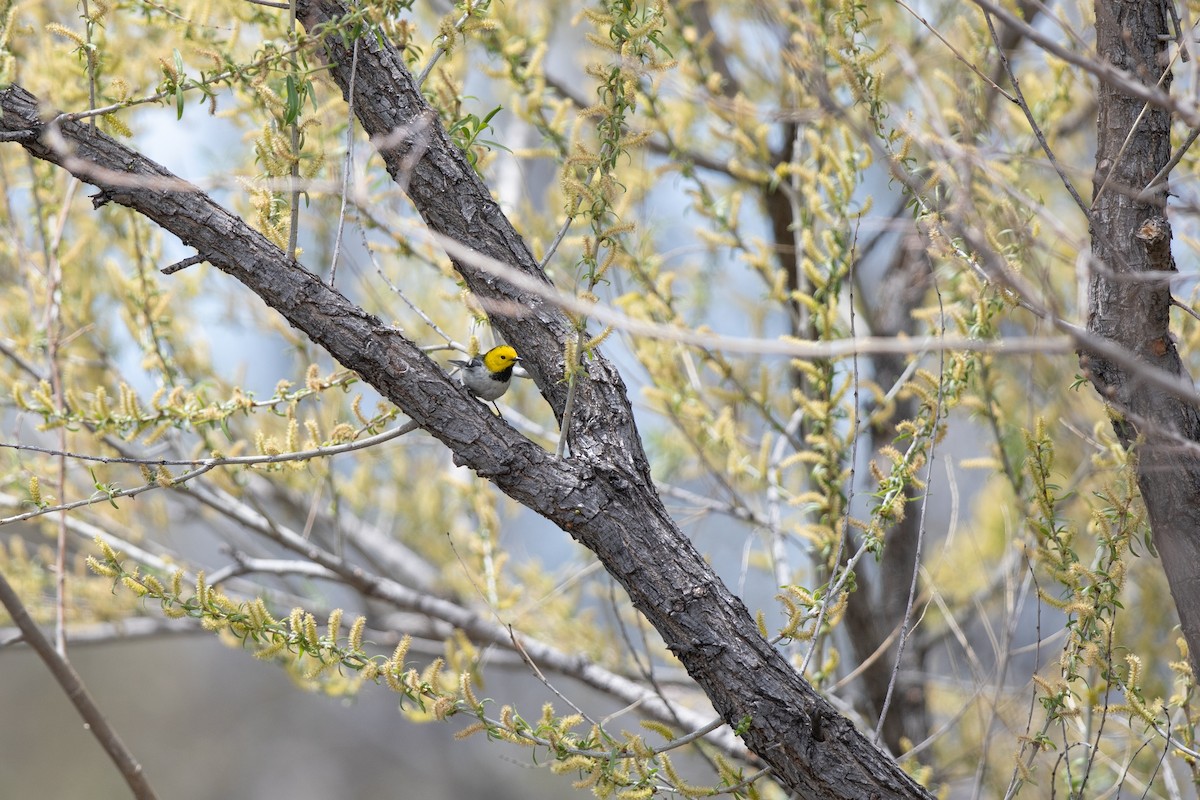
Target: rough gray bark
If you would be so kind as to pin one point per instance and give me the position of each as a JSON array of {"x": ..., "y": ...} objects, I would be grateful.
[
  {"x": 1131, "y": 245},
  {"x": 603, "y": 495}
]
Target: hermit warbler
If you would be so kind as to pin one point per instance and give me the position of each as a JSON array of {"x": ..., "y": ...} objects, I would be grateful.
[{"x": 487, "y": 376}]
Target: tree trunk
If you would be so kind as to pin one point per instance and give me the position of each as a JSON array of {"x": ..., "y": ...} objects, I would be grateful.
[{"x": 1129, "y": 305}]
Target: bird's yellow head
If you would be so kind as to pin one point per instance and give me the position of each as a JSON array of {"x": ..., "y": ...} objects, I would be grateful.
[{"x": 500, "y": 358}]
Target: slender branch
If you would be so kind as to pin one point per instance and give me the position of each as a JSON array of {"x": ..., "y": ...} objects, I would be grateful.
[
  {"x": 54, "y": 336},
  {"x": 906, "y": 618},
  {"x": 182, "y": 264},
  {"x": 89, "y": 532},
  {"x": 569, "y": 406},
  {"x": 1019, "y": 99},
  {"x": 1100, "y": 67},
  {"x": 655, "y": 143},
  {"x": 562, "y": 231},
  {"x": 158, "y": 97},
  {"x": 1173, "y": 162},
  {"x": 108, "y": 632},
  {"x": 226, "y": 461},
  {"x": 77, "y": 693},
  {"x": 205, "y": 465},
  {"x": 955, "y": 51},
  {"x": 293, "y": 137},
  {"x": 991, "y": 267},
  {"x": 444, "y": 46},
  {"x": 832, "y": 348},
  {"x": 245, "y": 565},
  {"x": 472, "y": 624},
  {"x": 347, "y": 169}
]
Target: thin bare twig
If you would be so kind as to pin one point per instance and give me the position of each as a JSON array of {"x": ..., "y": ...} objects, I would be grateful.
[
  {"x": 569, "y": 405},
  {"x": 1098, "y": 66},
  {"x": 77, "y": 693},
  {"x": 1173, "y": 162},
  {"x": 906, "y": 624},
  {"x": 562, "y": 232},
  {"x": 1185, "y": 307},
  {"x": 54, "y": 343},
  {"x": 955, "y": 51},
  {"x": 1019, "y": 99},
  {"x": 347, "y": 167},
  {"x": 246, "y": 565},
  {"x": 834, "y": 348},
  {"x": 467, "y": 620},
  {"x": 204, "y": 465},
  {"x": 443, "y": 47},
  {"x": 224, "y": 461},
  {"x": 294, "y": 138},
  {"x": 102, "y": 633}
]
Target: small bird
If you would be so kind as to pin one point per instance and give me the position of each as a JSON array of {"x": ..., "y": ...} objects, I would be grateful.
[{"x": 488, "y": 376}]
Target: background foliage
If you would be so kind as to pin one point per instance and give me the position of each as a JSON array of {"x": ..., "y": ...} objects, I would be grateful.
[{"x": 816, "y": 171}]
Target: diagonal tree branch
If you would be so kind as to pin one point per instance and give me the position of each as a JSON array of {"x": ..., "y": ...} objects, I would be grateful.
[
  {"x": 603, "y": 496},
  {"x": 456, "y": 204}
]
